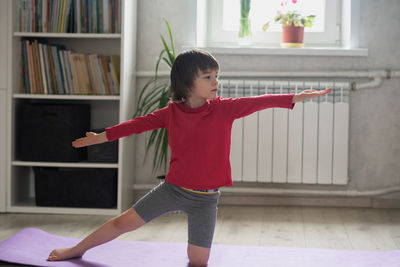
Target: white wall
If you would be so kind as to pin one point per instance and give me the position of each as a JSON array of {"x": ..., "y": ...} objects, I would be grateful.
[
  {"x": 3, "y": 44},
  {"x": 3, "y": 101},
  {"x": 3, "y": 150},
  {"x": 374, "y": 119}
]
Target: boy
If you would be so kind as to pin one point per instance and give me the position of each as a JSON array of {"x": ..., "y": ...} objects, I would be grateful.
[{"x": 199, "y": 130}]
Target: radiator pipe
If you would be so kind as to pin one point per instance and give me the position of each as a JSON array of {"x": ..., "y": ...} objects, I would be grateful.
[
  {"x": 376, "y": 76},
  {"x": 375, "y": 82},
  {"x": 295, "y": 192}
]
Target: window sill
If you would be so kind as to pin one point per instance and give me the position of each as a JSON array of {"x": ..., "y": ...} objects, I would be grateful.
[{"x": 306, "y": 51}]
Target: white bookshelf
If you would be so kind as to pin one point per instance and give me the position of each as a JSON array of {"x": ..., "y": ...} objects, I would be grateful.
[{"x": 106, "y": 110}]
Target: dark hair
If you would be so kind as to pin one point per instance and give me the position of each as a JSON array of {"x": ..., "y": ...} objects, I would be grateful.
[{"x": 185, "y": 69}]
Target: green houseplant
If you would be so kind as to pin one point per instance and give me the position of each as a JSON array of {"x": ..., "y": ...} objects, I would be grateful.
[
  {"x": 153, "y": 96},
  {"x": 293, "y": 24}
]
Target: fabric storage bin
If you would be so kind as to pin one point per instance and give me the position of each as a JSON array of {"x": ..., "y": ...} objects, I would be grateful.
[
  {"x": 46, "y": 131},
  {"x": 76, "y": 187},
  {"x": 105, "y": 152}
]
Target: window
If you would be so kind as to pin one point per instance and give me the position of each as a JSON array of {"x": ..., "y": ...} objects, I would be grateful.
[{"x": 223, "y": 21}]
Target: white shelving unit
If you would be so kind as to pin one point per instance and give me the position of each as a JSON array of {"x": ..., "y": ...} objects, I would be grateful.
[{"x": 105, "y": 111}]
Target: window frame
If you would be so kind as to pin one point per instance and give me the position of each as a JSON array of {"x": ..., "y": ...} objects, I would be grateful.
[{"x": 216, "y": 37}]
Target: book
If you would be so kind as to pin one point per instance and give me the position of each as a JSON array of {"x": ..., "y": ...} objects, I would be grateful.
[
  {"x": 53, "y": 69},
  {"x": 56, "y": 62},
  {"x": 74, "y": 72},
  {"x": 47, "y": 68},
  {"x": 26, "y": 84},
  {"x": 36, "y": 65},
  {"x": 63, "y": 71},
  {"x": 69, "y": 16},
  {"x": 42, "y": 69},
  {"x": 30, "y": 67}
]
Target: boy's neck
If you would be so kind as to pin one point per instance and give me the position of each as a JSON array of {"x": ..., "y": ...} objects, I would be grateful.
[{"x": 194, "y": 103}]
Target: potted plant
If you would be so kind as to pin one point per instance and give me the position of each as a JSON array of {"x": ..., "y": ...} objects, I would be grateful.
[
  {"x": 153, "y": 96},
  {"x": 293, "y": 24}
]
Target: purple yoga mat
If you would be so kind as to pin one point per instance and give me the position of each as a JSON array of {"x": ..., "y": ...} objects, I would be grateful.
[{"x": 32, "y": 246}]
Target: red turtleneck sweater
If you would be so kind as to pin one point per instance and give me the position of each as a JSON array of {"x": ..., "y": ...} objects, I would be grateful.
[{"x": 200, "y": 138}]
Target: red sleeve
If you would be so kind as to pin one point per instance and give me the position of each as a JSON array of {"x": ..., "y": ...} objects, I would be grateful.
[
  {"x": 243, "y": 106},
  {"x": 151, "y": 121}
]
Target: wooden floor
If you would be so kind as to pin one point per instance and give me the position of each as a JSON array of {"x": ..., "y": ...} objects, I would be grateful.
[{"x": 305, "y": 227}]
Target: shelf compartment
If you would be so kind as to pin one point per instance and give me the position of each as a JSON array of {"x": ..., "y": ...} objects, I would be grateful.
[{"x": 28, "y": 205}]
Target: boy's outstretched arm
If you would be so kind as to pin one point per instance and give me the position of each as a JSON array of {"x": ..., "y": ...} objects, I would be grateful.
[
  {"x": 308, "y": 94},
  {"x": 90, "y": 139},
  {"x": 243, "y": 106}
]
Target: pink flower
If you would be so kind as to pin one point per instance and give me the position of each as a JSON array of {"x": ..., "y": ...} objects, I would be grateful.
[
  {"x": 282, "y": 4},
  {"x": 294, "y": 1}
]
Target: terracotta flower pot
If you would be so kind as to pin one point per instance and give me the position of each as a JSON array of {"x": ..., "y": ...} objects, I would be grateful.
[{"x": 292, "y": 36}]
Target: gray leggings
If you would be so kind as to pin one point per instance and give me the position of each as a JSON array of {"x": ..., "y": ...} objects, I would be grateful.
[{"x": 200, "y": 208}]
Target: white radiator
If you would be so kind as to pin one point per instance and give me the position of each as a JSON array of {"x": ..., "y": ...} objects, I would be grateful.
[{"x": 306, "y": 145}]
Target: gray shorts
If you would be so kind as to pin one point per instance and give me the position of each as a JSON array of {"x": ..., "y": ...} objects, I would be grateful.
[{"x": 200, "y": 208}]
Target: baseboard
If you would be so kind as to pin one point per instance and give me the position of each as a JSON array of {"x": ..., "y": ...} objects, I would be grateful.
[{"x": 303, "y": 201}]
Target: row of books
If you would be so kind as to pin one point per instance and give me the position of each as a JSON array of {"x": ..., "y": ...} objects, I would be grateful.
[
  {"x": 52, "y": 69},
  {"x": 70, "y": 16}
]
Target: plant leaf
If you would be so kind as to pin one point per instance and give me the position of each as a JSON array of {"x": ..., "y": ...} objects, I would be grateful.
[
  {"x": 156, "y": 90},
  {"x": 170, "y": 37},
  {"x": 158, "y": 63},
  {"x": 155, "y": 95},
  {"x": 170, "y": 56},
  {"x": 166, "y": 61},
  {"x": 144, "y": 102},
  {"x": 150, "y": 107},
  {"x": 139, "y": 106}
]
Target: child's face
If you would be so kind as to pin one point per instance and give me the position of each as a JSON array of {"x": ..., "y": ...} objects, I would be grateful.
[{"x": 205, "y": 85}]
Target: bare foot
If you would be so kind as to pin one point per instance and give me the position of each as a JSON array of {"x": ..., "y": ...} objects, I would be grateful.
[{"x": 60, "y": 254}]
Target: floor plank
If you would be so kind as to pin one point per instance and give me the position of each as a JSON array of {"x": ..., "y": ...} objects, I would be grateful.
[
  {"x": 367, "y": 229},
  {"x": 282, "y": 227},
  {"x": 393, "y": 219},
  {"x": 238, "y": 226},
  {"x": 330, "y": 228}
]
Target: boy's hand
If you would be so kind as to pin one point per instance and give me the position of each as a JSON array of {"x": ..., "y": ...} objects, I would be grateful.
[
  {"x": 308, "y": 94},
  {"x": 90, "y": 139}
]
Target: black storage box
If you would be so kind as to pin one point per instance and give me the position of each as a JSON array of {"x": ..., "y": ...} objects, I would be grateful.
[
  {"x": 76, "y": 187},
  {"x": 105, "y": 152},
  {"x": 46, "y": 131}
]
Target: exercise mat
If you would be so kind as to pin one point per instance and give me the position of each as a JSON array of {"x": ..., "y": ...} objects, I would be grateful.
[{"x": 32, "y": 246}]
